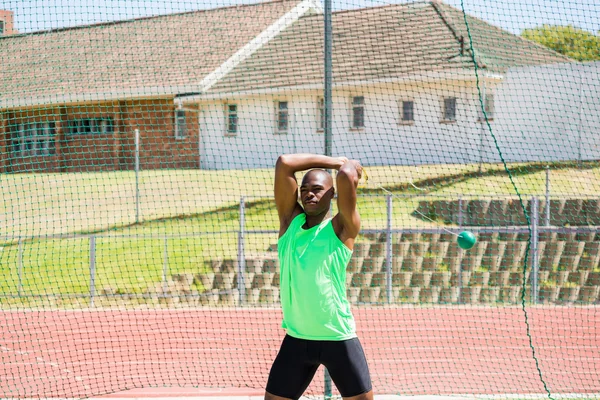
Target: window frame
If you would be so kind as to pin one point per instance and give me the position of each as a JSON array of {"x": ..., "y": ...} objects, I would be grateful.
[
  {"x": 85, "y": 126},
  {"x": 320, "y": 114},
  {"x": 37, "y": 144},
  {"x": 486, "y": 106},
  {"x": 278, "y": 113},
  {"x": 180, "y": 128},
  {"x": 444, "y": 119},
  {"x": 228, "y": 115},
  {"x": 401, "y": 120},
  {"x": 354, "y": 106}
]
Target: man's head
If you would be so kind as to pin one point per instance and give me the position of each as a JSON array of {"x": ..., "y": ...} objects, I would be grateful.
[{"x": 316, "y": 191}]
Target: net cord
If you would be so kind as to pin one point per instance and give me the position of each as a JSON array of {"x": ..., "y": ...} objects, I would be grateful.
[{"x": 491, "y": 131}]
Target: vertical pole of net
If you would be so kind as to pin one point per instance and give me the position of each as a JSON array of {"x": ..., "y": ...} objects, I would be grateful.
[
  {"x": 388, "y": 251},
  {"x": 20, "y": 268},
  {"x": 92, "y": 269},
  {"x": 137, "y": 176},
  {"x": 547, "y": 213},
  {"x": 460, "y": 211},
  {"x": 241, "y": 256},
  {"x": 165, "y": 266},
  {"x": 328, "y": 74},
  {"x": 534, "y": 249},
  {"x": 327, "y": 100}
]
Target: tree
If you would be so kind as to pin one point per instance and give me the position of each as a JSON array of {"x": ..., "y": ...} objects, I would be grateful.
[{"x": 571, "y": 41}]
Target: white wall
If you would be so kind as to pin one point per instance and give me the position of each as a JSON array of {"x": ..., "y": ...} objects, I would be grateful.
[
  {"x": 540, "y": 114},
  {"x": 382, "y": 141},
  {"x": 548, "y": 113}
]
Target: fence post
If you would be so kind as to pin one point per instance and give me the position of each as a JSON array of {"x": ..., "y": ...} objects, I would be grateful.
[
  {"x": 547, "y": 211},
  {"x": 20, "y": 269},
  {"x": 137, "y": 176},
  {"x": 92, "y": 269},
  {"x": 241, "y": 256},
  {"x": 534, "y": 249},
  {"x": 165, "y": 287},
  {"x": 460, "y": 211},
  {"x": 388, "y": 250}
]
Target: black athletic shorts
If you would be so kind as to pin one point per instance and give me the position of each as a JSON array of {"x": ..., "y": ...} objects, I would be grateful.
[{"x": 298, "y": 360}]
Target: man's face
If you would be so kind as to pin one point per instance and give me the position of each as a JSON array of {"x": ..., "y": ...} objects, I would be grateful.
[{"x": 316, "y": 192}]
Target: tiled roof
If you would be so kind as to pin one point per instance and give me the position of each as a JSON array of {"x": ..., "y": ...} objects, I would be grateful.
[
  {"x": 384, "y": 42},
  {"x": 161, "y": 53}
]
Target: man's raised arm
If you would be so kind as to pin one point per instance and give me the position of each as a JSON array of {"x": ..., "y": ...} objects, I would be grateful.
[
  {"x": 347, "y": 182},
  {"x": 286, "y": 187}
]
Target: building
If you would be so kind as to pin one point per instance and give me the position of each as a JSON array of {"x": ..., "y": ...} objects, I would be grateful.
[
  {"x": 75, "y": 105},
  {"x": 234, "y": 87},
  {"x": 6, "y": 23}
]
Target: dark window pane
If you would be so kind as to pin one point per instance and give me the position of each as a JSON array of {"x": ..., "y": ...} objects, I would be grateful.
[
  {"x": 408, "y": 111},
  {"x": 358, "y": 100},
  {"x": 86, "y": 126},
  {"x": 358, "y": 120},
  {"x": 450, "y": 109},
  {"x": 180, "y": 121},
  {"x": 109, "y": 125},
  {"x": 232, "y": 118},
  {"x": 232, "y": 126},
  {"x": 283, "y": 121}
]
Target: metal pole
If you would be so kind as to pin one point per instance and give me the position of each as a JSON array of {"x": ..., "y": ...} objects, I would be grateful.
[
  {"x": 328, "y": 121},
  {"x": 483, "y": 124},
  {"x": 327, "y": 100},
  {"x": 460, "y": 211},
  {"x": 20, "y": 269},
  {"x": 388, "y": 250},
  {"x": 579, "y": 138},
  {"x": 165, "y": 267},
  {"x": 547, "y": 211},
  {"x": 534, "y": 249},
  {"x": 241, "y": 252},
  {"x": 92, "y": 270},
  {"x": 137, "y": 176}
]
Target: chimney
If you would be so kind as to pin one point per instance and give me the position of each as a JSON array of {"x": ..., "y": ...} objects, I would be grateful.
[{"x": 6, "y": 23}]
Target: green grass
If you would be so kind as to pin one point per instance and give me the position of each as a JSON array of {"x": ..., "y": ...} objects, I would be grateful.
[{"x": 198, "y": 210}]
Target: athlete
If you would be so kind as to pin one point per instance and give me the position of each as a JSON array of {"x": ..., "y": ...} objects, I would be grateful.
[{"x": 314, "y": 251}]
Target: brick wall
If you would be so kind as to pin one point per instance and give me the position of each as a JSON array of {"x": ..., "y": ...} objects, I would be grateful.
[{"x": 155, "y": 118}]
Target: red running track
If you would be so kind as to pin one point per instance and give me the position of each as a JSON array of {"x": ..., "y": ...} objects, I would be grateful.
[{"x": 411, "y": 351}]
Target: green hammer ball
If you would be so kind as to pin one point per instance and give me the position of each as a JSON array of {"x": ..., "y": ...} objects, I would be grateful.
[{"x": 466, "y": 240}]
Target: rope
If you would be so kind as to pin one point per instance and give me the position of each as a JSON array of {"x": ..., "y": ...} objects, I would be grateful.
[{"x": 489, "y": 126}]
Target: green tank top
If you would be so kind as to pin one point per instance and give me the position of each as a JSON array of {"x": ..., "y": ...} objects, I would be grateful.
[{"x": 313, "y": 282}]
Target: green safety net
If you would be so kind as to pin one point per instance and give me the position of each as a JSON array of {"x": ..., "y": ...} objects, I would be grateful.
[{"x": 138, "y": 232}]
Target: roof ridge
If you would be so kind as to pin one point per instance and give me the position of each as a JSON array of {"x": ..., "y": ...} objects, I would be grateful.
[
  {"x": 437, "y": 6},
  {"x": 503, "y": 31},
  {"x": 403, "y": 5},
  {"x": 144, "y": 18}
]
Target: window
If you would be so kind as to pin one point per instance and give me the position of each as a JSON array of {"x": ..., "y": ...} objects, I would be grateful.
[
  {"x": 488, "y": 106},
  {"x": 407, "y": 111},
  {"x": 35, "y": 139},
  {"x": 231, "y": 113},
  {"x": 282, "y": 116},
  {"x": 86, "y": 126},
  {"x": 320, "y": 114},
  {"x": 1, "y": 27},
  {"x": 358, "y": 112},
  {"x": 180, "y": 124},
  {"x": 449, "y": 112}
]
